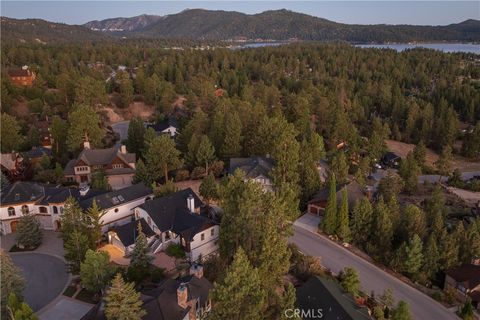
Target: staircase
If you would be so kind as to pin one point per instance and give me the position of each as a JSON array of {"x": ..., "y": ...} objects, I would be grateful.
[{"x": 156, "y": 245}]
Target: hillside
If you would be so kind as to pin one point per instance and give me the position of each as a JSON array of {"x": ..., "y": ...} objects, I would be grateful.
[
  {"x": 284, "y": 24},
  {"x": 123, "y": 24},
  {"x": 41, "y": 31}
]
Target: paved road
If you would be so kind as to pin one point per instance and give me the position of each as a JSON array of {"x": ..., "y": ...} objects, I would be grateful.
[
  {"x": 336, "y": 258},
  {"x": 46, "y": 277},
  {"x": 122, "y": 129}
]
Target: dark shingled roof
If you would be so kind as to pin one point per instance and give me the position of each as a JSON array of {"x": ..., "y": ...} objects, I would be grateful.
[
  {"x": 117, "y": 197},
  {"x": 252, "y": 167},
  {"x": 354, "y": 193},
  {"x": 128, "y": 233},
  {"x": 38, "y": 152},
  {"x": 319, "y": 293},
  {"x": 161, "y": 126},
  {"x": 469, "y": 274},
  {"x": 19, "y": 72},
  {"x": 161, "y": 303},
  {"x": 95, "y": 157},
  {"x": 171, "y": 213}
]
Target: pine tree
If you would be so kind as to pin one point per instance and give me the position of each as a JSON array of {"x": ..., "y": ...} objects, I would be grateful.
[
  {"x": 233, "y": 140},
  {"x": 95, "y": 215},
  {"x": 29, "y": 233},
  {"x": 19, "y": 310},
  {"x": 472, "y": 242},
  {"x": 466, "y": 312},
  {"x": 12, "y": 281},
  {"x": 444, "y": 162},
  {"x": 140, "y": 257},
  {"x": 84, "y": 123},
  {"x": 209, "y": 189},
  {"x": 76, "y": 247},
  {"x": 340, "y": 166},
  {"x": 136, "y": 134},
  {"x": 10, "y": 133},
  {"x": 161, "y": 157},
  {"x": 449, "y": 250},
  {"x": 382, "y": 231},
  {"x": 235, "y": 304},
  {"x": 413, "y": 222},
  {"x": 431, "y": 257},
  {"x": 329, "y": 222},
  {"x": 401, "y": 312},
  {"x": 412, "y": 256},
  {"x": 390, "y": 186},
  {"x": 350, "y": 281},
  {"x": 122, "y": 302},
  {"x": 141, "y": 174},
  {"x": 288, "y": 303},
  {"x": 362, "y": 217},
  {"x": 343, "y": 228},
  {"x": 409, "y": 171},
  {"x": 205, "y": 153},
  {"x": 420, "y": 153},
  {"x": 96, "y": 271},
  {"x": 100, "y": 180}
]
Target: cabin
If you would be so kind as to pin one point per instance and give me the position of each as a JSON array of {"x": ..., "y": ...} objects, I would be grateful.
[
  {"x": 169, "y": 126},
  {"x": 465, "y": 280},
  {"x": 22, "y": 77},
  {"x": 257, "y": 169},
  {"x": 318, "y": 203}
]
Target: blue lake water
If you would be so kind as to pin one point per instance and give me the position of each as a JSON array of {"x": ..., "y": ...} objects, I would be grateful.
[{"x": 445, "y": 47}]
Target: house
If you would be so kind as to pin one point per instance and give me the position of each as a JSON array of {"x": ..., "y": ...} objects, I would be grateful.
[
  {"x": 43, "y": 127},
  {"x": 169, "y": 126},
  {"x": 323, "y": 169},
  {"x": 318, "y": 203},
  {"x": 391, "y": 160},
  {"x": 119, "y": 166},
  {"x": 185, "y": 298},
  {"x": 44, "y": 201},
  {"x": 119, "y": 204},
  {"x": 321, "y": 298},
  {"x": 124, "y": 236},
  {"x": 465, "y": 279},
  {"x": 179, "y": 218},
  {"x": 47, "y": 202},
  {"x": 12, "y": 165},
  {"x": 36, "y": 153},
  {"x": 22, "y": 77},
  {"x": 254, "y": 168}
]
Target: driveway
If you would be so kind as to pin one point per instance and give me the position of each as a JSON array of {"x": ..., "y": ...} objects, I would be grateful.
[
  {"x": 122, "y": 129},
  {"x": 372, "y": 278},
  {"x": 308, "y": 221},
  {"x": 51, "y": 243},
  {"x": 46, "y": 277}
]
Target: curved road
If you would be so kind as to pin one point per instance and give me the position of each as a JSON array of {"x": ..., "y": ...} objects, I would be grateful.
[
  {"x": 373, "y": 278},
  {"x": 45, "y": 275}
]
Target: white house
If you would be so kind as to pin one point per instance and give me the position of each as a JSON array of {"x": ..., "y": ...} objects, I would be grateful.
[
  {"x": 169, "y": 126},
  {"x": 47, "y": 203},
  {"x": 179, "y": 218},
  {"x": 254, "y": 168}
]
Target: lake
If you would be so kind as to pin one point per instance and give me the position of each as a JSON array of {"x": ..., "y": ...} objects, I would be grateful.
[{"x": 445, "y": 47}]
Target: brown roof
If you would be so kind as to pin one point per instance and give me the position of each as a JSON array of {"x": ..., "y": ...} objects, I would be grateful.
[
  {"x": 19, "y": 73},
  {"x": 94, "y": 157},
  {"x": 469, "y": 274}
]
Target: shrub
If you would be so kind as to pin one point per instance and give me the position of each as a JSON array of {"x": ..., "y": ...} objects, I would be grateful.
[
  {"x": 157, "y": 274},
  {"x": 198, "y": 173},
  {"x": 217, "y": 168},
  {"x": 182, "y": 175},
  {"x": 175, "y": 250}
]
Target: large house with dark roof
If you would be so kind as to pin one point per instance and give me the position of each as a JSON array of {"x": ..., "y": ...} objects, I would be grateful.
[
  {"x": 179, "y": 218},
  {"x": 47, "y": 203},
  {"x": 465, "y": 280},
  {"x": 254, "y": 168},
  {"x": 119, "y": 165}
]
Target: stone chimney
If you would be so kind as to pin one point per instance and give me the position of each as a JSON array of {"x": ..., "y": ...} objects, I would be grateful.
[
  {"x": 196, "y": 270},
  {"x": 182, "y": 295},
  {"x": 191, "y": 203},
  {"x": 123, "y": 149}
]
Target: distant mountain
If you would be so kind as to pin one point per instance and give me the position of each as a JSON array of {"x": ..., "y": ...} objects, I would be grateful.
[
  {"x": 41, "y": 31},
  {"x": 284, "y": 24},
  {"x": 123, "y": 24}
]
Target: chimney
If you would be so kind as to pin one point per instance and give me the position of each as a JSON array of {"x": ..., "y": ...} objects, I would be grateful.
[
  {"x": 86, "y": 143},
  {"x": 123, "y": 149},
  {"x": 182, "y": 295},
  {"x": 196, "y": 270},
  {"x": 191, "y": 203}
]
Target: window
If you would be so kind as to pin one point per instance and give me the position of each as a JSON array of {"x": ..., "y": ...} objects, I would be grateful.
[
  {"x": 202, "y": 236},
  {"x": 116, "y": 210},
  {"x": 11, "y": 211},
  {"x": 61, "y": 210},
  {"x": 149, "y": 221},
  {"x": 212, "y": 232},
  {"x": 25, "y": 209},
  {"x": 117, "y": 166},
  {"x": 55, "y": 209},
  {"x": 43, "y": 209}
]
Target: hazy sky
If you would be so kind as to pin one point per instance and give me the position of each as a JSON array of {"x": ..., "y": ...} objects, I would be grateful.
[{"x": 363, "y": 12}]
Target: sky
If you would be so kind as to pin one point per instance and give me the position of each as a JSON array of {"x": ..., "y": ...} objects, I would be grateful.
[{"x": 359, "y": 12}]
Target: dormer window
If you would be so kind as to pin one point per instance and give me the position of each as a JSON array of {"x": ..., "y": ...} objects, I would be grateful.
[{"x": 117, "y": 166}]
